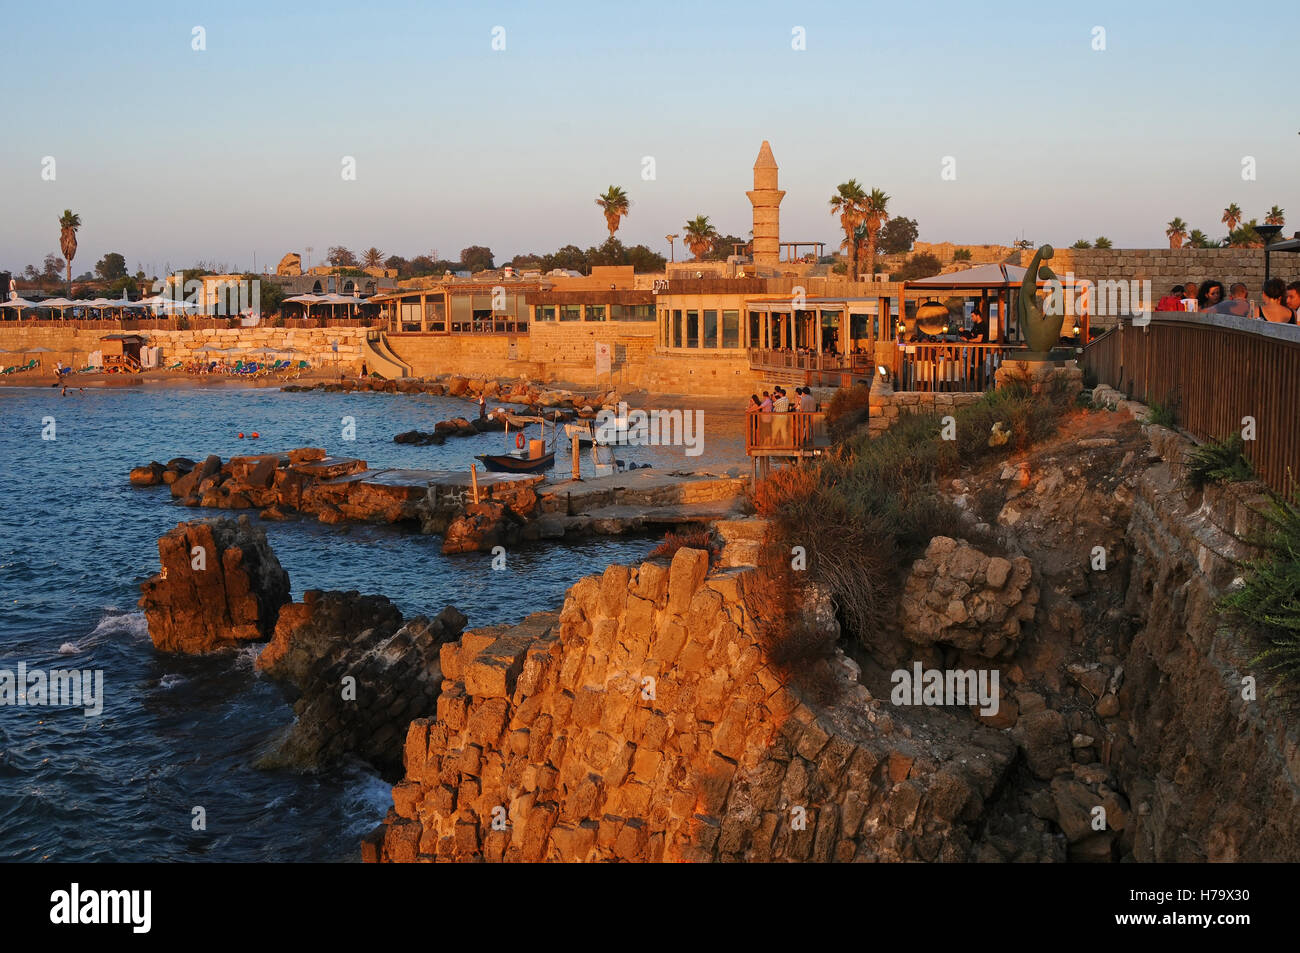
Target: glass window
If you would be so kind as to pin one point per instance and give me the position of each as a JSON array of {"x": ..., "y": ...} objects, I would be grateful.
[
  {"x": 461, "y": 315},
  {"x": 570, "y": 312},
  {"x": 632, "y": 312},
  {"x": 692, "y": 329},
  {"x": 731, "y": 329},
  {"x": 755, "y": 329},
  {"x": 595, "y": 312},
  {"x": 677, "y": 328},
  {"x": 436, "y": 313},
  {"x": 543, "y": 312},
  {"x": 710, "y": 329},
  {"x": 410, "y": 315}
]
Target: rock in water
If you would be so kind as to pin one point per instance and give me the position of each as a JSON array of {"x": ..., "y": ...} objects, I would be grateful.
[
  {"x": 220, "y": 586},
  {"x": 358, "y": 675}
]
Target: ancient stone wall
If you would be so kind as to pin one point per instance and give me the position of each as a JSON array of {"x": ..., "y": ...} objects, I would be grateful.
[
  {"x": 73, "y": 345},
  {"x": 646, "y": 722},
  {"x": 1213, "y": 774}
]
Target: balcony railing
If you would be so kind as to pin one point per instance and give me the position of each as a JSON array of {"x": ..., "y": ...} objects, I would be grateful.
[
  {"x": 1217, "y": 370},
  {"x": 795, "y": 433},
  {"x": 948, "y": 367}
]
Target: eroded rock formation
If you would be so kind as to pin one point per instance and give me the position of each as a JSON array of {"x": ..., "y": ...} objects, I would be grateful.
[
  {"x": 358, "y": 673},
  {"x": 220, "y": 586}
]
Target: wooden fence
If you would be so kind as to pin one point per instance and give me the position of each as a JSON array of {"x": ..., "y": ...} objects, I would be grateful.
[{"x": 1220, "y": 373}]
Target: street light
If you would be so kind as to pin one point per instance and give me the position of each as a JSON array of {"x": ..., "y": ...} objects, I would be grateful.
[
  {"x": 672, "y": 256},
  {"x": 1268, "y": 233}
]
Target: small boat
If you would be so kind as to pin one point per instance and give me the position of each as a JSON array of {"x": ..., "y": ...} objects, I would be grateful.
[
  {"x": 519, "y": 461},
  {"x": 510, "y": 463}
]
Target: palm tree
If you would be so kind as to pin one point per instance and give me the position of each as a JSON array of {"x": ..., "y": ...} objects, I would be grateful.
[
  {"x": 874, "y": 216},
  {"x": 1102, "y": 242},
  {"x": 1275, "y": 216},
  {"x": 372, "y": 257},
  {"x": 1231, "y": 216},
  {"x": 1198, "y": 239},
  {"x": 1176, "y": 230},
  {"x": 1082, "y": 243},
  {"x": 69, "y": 222},
  {"x": 700, "y": 236},
  {"x": 855, "y": 243},
  {"x": 615, "y": 203},
  {"x": 848, "y": 203}
]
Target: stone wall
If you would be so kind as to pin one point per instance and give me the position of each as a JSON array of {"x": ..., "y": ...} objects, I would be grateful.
[
  {"x": 1215, "y": 775},
  {"x": 646, "y": 722},
  {"x": 73, "y": 345},
  {"x": 887, "y": 405}
]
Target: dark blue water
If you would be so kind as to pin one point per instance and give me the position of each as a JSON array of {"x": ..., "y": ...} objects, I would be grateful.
[{"x": 180, "y": 733}]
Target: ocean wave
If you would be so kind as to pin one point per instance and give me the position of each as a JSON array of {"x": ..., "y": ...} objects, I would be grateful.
[{"x": 112, "y": 626}]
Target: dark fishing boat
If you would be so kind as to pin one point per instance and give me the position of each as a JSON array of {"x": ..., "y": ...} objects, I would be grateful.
[
  {"x": 522, "y": 461},
  {"x": 510, "y": 463}
]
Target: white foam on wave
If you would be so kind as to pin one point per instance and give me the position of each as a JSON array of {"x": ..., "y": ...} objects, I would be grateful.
[
  {"x": 246, "y": 655},
  {"x": 112, "y": 626},
  {"x": 168, "y": 682}
]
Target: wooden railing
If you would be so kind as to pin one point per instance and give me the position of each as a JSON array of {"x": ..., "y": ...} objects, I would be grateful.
[
  {"x": 947, "y": 367},
  {"x": 795, "y": 433},
  {"x": 785, "y": 359},
  {"x": 1217, "y": 370}
]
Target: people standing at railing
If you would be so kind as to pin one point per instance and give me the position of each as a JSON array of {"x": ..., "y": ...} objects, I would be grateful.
[
  {"x": 765, "y": 405},
  {"x": 1189, "y": 296},
  {"x": 780, "y": 418},
  {"x": 1292, "y": 300},
  {"x": 1237, "y": 303},
  {"x": 1273, "y": 309},
  {"x": 1210, "y": 294},
  {"x": 1172, "y": 301},
  {"x": 754, "y": 404}
]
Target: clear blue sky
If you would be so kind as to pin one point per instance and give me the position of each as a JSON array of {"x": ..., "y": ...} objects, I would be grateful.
[{"x": 175, "y": 156}]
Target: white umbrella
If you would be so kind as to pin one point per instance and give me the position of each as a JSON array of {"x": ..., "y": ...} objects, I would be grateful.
[
  {"x": 19, "y": 303},
  {"x": 60, "y": 303}
]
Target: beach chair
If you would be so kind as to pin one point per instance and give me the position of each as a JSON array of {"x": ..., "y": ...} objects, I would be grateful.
[
  {"x": 29, "y": 365},
  {"x": 303, "y": 365}
]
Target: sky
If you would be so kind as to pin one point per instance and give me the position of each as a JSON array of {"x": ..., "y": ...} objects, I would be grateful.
[{"x": 235, "y": 153}]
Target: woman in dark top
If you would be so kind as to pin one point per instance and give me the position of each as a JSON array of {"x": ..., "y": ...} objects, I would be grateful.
[{"x": 1210, "y": 294}]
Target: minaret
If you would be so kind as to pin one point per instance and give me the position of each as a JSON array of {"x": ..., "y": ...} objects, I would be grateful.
[{"x": 766, "y": 199}]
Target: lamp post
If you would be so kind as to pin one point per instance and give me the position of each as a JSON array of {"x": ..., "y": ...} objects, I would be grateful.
[
  {"x": 672, "y": 255},
  {"x": 1268, "y": 233}
]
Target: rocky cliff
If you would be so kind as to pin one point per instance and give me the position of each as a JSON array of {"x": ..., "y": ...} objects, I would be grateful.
[{"x": 647, "y": 720}]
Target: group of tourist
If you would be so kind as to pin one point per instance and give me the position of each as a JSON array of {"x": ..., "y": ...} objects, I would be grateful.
[
  {"x": 1280, "y": 304},
  {"x": 778, "y": 402}
]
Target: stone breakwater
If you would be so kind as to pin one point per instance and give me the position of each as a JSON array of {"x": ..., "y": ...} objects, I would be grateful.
[
  {"x": 307, "y": 481},
  {"x": 503, "y": 390}
]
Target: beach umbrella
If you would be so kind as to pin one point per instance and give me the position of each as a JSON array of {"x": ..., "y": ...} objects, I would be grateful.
[{"x": 60, "y": 303}]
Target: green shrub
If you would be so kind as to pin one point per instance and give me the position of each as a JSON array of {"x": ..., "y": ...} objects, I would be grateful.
[
  {"x": 1219, "y": 461},
  {"x": 1269, "y": 600},
  {"x": 847, "y": 408},
  {"x": 869, "y": 508},
  {"x": 1164, "y": 413}
]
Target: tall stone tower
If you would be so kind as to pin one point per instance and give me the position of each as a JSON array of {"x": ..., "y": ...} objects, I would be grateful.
[{"x": 766, "y": 199}]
